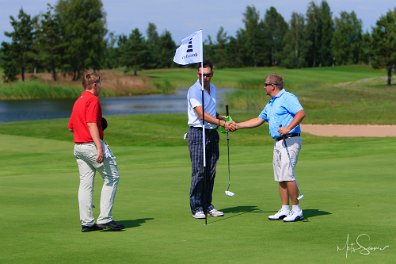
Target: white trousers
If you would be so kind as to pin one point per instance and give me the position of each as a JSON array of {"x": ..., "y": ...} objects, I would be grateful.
[
  {"x": 86, "y": 155},
  {"x": 285, "y": 158}
]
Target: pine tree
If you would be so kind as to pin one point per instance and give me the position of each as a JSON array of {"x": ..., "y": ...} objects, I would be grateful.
[
  {"x": 167, "y": 50},
  {"x": 49, "y": 42},
  {"x": 384, "y": 44},
  {"x": 347, "y": 39},
  {"x": 295, "y": 47},
  {"x": 272, "y": 40},
  {"x": 21, "y": 47},
  {"x": 153, "y": 46},
  {"x": 8, "y": 64},
  {"x": 249, "y": 37},
  {"x": 133, "y": 51},
  {"x": 83, "y": 28}
]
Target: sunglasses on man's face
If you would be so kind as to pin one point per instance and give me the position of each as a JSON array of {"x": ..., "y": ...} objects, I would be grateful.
[{"x": 207, "y": 75}]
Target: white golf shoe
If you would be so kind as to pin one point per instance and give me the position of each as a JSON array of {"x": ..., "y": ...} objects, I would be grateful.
[
  {"x": 294, "y": 216},
  {"x": 199, "y": 215},
  {"x": 279, "y": 215},
  {"x": 215, "y": 213}
]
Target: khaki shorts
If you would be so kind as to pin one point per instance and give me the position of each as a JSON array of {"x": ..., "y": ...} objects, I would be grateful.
[{"x": 285, "y": 158}]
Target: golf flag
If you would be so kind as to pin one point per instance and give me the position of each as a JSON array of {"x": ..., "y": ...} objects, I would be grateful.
[{"x": 190, "y": 50}]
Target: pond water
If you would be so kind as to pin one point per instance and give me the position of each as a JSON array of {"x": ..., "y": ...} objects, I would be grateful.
[{"x": 21, "y": 110}]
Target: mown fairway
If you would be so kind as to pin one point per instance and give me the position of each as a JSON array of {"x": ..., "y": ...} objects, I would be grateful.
[
  {"x": 338, "y": 95},
  {"x": 348, "y": 186}
]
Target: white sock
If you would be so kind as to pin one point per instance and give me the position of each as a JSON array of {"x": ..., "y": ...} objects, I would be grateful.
[
  {"x": 296, "y": 208},
  {"x": 285, "y": 207}
]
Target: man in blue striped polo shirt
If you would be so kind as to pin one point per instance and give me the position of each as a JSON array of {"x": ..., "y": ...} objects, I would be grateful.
[{"x": 202, "y": 180}]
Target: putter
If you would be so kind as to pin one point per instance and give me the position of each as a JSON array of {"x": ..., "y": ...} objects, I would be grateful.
[
  {"x": 228, "y": 192},
  {"x": 288, "y": 154}
]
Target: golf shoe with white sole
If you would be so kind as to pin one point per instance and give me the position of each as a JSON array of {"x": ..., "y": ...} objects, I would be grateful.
[
  {"x": 294, "y": 216},
  {"x": 279, "y": 215},
  {"x": 199, "y": 215},
  {"x": 215, "y": 213}
]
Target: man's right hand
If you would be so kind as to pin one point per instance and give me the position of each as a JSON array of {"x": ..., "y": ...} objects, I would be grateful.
[
  {"x": 99, "y": 158},
  {"x": 230, "y": 126}
]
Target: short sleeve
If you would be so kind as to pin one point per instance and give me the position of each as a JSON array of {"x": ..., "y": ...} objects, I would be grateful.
[
  {"x": 195, "y": 98},
  {"x": 264, "y": 114},
  {"x": 93, "y": 109},
  {"x": 293, "y": 105}
]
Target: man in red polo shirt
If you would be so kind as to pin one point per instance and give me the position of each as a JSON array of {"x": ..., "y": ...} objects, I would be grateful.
[{"x": 93, "y": 155}]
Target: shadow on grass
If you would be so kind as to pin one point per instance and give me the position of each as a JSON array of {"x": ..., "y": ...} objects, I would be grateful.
[
  {"x": 308, "y": 213},
  {"x": 238, "y": 211},
  {"x": 134, "y": 223},
  {"x": 241, "y": 209}
]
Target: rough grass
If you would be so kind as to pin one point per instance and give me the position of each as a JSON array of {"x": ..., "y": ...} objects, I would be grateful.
[
  {"x": 118, "y": 83},
  {"x": 341, "y": 95},
  {"x": 114, "y": 83}
]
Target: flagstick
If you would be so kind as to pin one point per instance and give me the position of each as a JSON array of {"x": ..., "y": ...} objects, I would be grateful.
[
  {"x": 204, "y": 137},
  {"x": 203, "y": 116},
  {"x": 204, "y": 146}
]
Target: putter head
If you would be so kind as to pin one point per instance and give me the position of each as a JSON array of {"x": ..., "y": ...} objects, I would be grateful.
[
  {"x": 228, "y": 193},
  {"x": 300, "y": 197}
]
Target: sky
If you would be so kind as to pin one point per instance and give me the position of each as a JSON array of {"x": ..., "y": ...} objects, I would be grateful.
[{"x": 183, "y": 17}]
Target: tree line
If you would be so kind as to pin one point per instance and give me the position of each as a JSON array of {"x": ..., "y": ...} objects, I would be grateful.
[{"x": 72, "y": 36}]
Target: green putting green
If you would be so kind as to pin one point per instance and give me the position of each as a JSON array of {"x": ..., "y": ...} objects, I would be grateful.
[{"x": 348, "y": 186}]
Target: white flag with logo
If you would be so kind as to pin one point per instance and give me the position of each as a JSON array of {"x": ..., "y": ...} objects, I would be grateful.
[{"x": 190, "y": 50}]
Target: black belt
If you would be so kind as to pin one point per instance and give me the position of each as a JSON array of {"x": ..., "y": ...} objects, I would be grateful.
[
  {"x": 288, "y": 136},
  {"x": 84, "y": 143},
  {"x": 206, "y": 129}
]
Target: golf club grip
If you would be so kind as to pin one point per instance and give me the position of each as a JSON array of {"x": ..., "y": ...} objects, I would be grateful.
[{"x": 227, "y": 113}]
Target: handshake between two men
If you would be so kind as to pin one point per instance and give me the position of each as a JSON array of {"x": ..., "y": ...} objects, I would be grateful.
[{"x": 230, "y": 126}]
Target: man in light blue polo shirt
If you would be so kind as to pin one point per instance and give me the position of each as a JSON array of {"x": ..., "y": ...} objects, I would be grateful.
[{"x": 284, "y": 114}]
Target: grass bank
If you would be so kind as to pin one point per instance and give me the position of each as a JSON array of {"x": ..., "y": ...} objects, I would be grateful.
[
  {"x": 330, "y": 95},
  {"x": 114, "y": 83},
  {"x": 340, "y": 95},
  {"x": 165, "y": 80}
]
